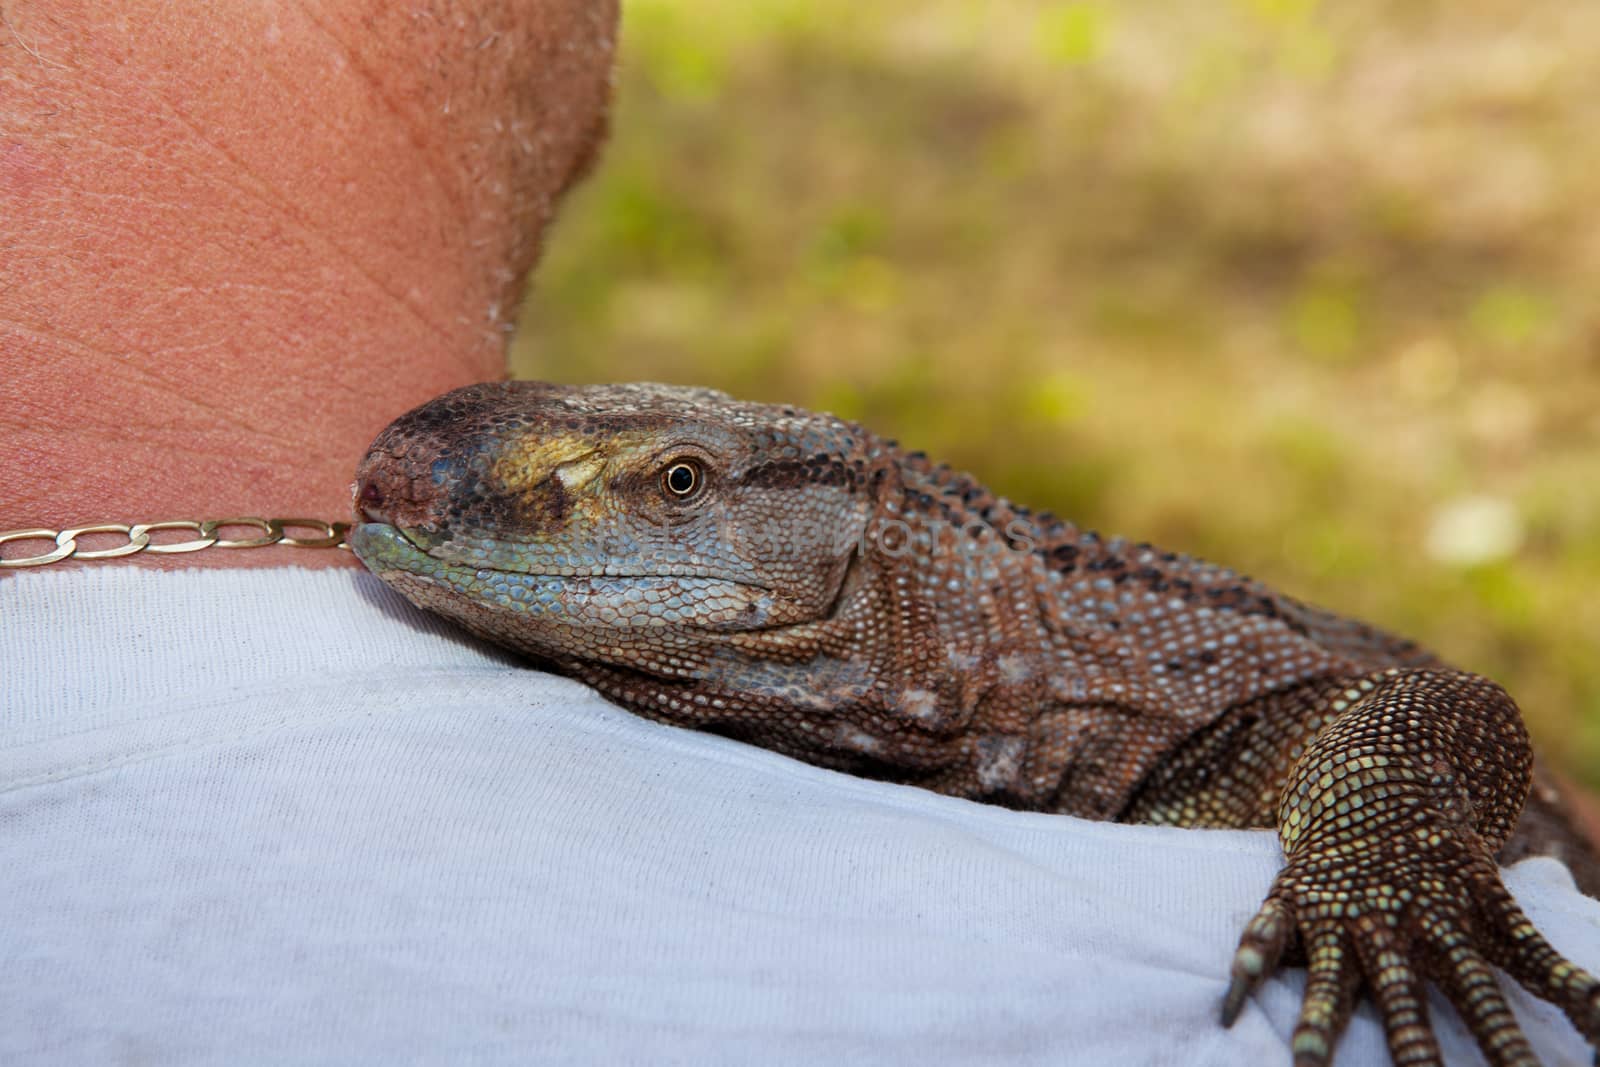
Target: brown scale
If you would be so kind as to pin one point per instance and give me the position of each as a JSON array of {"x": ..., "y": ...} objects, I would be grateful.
[{"x": 906, "y": 624}]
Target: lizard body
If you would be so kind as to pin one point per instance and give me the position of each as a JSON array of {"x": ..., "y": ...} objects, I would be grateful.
[{"x": 792, "y": 580}]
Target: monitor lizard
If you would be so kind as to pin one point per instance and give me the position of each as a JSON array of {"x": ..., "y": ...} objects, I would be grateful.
[{"x": 789, "y": 579}]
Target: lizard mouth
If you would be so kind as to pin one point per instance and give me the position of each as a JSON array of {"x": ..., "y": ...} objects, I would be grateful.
[{"x": 613, "y": 596}]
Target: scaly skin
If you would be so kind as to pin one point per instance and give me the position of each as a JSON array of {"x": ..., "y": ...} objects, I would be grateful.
[{"x": 789, "y": 579}]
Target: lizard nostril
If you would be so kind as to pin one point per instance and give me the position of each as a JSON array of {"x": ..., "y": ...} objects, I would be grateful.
[{"x": 369, "y": 498}]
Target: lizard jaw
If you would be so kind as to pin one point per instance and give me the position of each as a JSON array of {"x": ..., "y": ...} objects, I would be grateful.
[{"x": 631, "y": 601}]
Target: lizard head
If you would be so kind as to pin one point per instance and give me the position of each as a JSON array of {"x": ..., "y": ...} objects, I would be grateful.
[{"x": 614, "y": 522}]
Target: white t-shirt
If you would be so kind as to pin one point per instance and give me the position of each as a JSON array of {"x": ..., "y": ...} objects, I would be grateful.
[{"x": 278, "y": 816}]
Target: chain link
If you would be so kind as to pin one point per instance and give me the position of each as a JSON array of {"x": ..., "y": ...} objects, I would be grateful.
[{"x": 273, "y": 532}]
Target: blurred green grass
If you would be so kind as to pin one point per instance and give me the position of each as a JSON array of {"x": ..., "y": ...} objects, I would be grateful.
[{"x": 1310, "y": 290}]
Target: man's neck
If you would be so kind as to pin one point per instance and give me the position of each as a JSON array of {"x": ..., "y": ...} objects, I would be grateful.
[{"x": 253, "y": 241}]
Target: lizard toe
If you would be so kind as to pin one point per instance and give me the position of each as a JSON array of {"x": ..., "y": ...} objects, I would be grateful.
[
  {"x": 1260, "y": 948},
  {"x": 1398, "y": 991},
  {"x": 1468, "y": 983},
  {"x": 1515, "y": 945},
  {"x": 1331, "y": 981}
]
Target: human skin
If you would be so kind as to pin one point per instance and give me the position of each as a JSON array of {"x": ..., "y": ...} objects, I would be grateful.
[{"x": 236, "y": 240}]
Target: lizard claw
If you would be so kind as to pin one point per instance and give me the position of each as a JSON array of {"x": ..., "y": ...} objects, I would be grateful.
[
  {"x": 1390, "y": 880},
  {"x": 1436, "y": 912}
]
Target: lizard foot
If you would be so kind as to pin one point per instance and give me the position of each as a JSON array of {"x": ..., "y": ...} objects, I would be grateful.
[{"x": 1391, "y": 916}]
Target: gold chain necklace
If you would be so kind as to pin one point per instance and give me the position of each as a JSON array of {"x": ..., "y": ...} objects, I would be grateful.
[{"x": 330, "y": 535}]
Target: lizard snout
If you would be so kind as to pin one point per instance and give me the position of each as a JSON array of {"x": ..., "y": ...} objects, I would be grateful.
[{"x": 400, "y": 491}]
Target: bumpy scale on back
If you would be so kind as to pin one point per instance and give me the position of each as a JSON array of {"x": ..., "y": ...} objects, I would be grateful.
[{"x": 792, "y": 580}]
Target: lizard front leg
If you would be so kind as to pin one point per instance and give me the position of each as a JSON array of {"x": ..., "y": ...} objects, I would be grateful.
[{"x": 1389, "y": 821}]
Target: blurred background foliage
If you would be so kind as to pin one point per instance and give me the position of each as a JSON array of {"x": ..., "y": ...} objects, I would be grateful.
[{"x": 1309, "y": 289}]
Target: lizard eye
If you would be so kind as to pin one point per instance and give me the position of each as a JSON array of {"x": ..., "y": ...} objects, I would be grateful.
[{"x": 682, "y": 479}]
